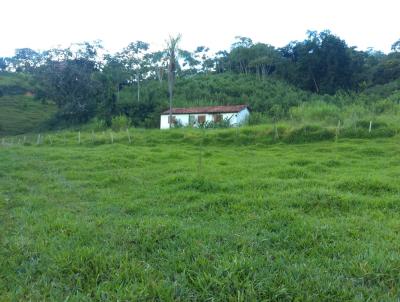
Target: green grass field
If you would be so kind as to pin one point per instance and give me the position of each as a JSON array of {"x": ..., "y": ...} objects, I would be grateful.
[
  {"x": 20, "y": 114},
  {"x": 188, "y": 222}
]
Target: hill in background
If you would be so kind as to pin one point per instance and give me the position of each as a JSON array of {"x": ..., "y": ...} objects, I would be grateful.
[
  {"x": 270, "y": 99},
  {"x": 20, "y": 112}
]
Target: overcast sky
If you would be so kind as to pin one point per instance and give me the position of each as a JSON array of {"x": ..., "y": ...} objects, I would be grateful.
[{"x": 41, "y": 24}]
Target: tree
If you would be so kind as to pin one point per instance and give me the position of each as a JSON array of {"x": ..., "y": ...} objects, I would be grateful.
[
  {"x": 240, "y": 54},
  {"x": 25, "y": 60},
  {"x": 204, "y": 60},
  {"x": 134, "y": 56},
  {"x": 3, "y": 64},
  {"x": 172, "y": 52},
  {"x": 222, "y": 62},
  {"x": 190, "y": 64},
  {"x": 115, "y": 71},
  {"x": 71, "y": 83},
  {"x": 396, "y": 46},
  {"x": 264, "y": 58},
  {"x": 388, "y": 69},
  {"x": 321, "y": 63},
  {"x": 157, "y": 66},
  {"x": 112, "y": 77}
]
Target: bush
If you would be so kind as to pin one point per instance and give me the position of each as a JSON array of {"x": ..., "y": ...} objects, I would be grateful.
[
  {"x": 385, "y": 106},
  {"x": 225, "y": 123},
  {"x": 316, "y": 112},
  {"x": 257, "y": 118},
  {"x": 99, "y": 124},
  {"x": 354, "y": 113},
  {"x": 120, "y": 122}
]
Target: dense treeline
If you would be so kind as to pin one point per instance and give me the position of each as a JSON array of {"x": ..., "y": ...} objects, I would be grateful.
[{"x": 84, "y": 82}]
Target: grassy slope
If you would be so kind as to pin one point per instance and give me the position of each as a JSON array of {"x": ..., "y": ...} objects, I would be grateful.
[
  {"x": 20, "y": 114},
  {"x": 285, "y": 222},
  {"x": 15, "y": 80}
]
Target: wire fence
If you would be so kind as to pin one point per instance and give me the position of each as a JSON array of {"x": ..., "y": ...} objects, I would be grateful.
[{"x": 272, "y": 133}]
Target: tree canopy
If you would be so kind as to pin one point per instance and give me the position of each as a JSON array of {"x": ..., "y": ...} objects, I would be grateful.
[{"x": 86, "y": 81}]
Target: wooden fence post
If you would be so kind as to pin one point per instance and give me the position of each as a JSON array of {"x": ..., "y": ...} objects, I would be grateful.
[
  {"x": 337, "y": 130},
  {"x": 38, "y": 140},
  {"x": 370, "y": 127},
  {"x": 79, "y": 137},
  {"x": 276, "y": 135},
  {"x": 129, "y": 136}
]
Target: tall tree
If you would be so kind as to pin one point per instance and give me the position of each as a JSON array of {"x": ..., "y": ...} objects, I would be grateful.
[
  {"x": 3, "y": 64},
  {"x": 222, "y": 62},
  {"x": 115, "y": 72},
  {"x": 25, "y": 60},
  {"x": 71, "y": 83},
  {"x": 190, "y": 64},
  {"x": 157, "y": 64},
  {"x": 134, "y": 56},
  {"x": 240, "y": 54},
  {"x": 321, "y": 63},
  {"x": 205, "y": 61},
  {"x": 264, "y": 58},
  {"x": 172, "y": 52},
  {"x": 396, "y": 46}
]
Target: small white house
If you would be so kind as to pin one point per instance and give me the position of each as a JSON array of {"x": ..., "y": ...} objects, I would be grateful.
[{"x": 195, "y": 116}]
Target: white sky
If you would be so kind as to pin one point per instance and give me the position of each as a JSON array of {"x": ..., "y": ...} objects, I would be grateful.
[{"x": 41, "y": 24}]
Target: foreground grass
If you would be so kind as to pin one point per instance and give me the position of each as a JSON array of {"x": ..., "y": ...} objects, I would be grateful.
[{"x": 158, "y": 221}]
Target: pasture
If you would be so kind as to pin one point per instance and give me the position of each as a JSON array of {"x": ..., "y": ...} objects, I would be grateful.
[
  {"x": 21, "y": 114},
  {"x": 200, "y": 222}
]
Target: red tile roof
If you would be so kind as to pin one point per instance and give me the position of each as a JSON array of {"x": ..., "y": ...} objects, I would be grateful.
[{"x": 209, "y": 109}]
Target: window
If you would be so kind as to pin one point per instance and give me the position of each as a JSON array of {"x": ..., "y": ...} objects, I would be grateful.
[
  {"x": 192, "y": 119},
  {"x": 201, "y": 119},
  {"x": 217, "y": 118}
]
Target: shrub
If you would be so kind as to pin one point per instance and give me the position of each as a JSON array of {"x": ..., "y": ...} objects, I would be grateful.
[
  {"x": 385, "y": 106},
  {"x": 120, "y": 122},
  {"x": 96, "y": 124},
  {"x": 354, "y": 113},
  {"x": 257, "y": 118},
  {"x": 225, "y": 123},
  {"x": 315, "y": 112}
]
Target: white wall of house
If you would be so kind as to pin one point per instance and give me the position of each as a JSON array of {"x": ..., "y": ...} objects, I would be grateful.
[
  {"x": 235, "y": 118},
  {"x": 242, "y": 116},
  {"x": 164, "y": 122}
]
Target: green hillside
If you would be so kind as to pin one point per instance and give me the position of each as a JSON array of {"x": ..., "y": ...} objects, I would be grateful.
[
  {"x": 21, "y": 114},
  {"x": 15, "y": 83},
  {"x": 270, "y": 99}
]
